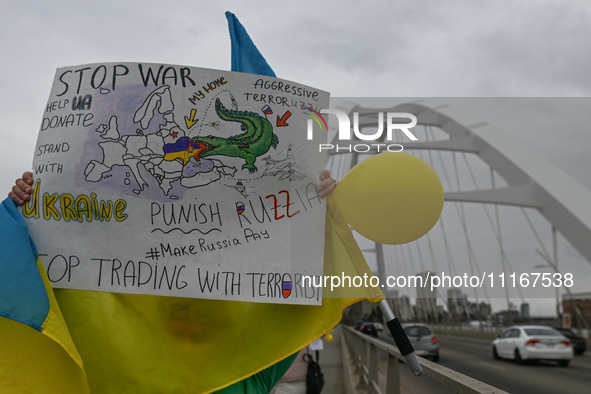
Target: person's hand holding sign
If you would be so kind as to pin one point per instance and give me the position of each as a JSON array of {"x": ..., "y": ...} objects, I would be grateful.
[
  {"x": 22, "y": 189},
  {"x": 327, "y": 184}
]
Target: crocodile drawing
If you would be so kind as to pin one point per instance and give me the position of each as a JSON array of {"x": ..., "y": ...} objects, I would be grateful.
[{"x": 257, "y": 139}]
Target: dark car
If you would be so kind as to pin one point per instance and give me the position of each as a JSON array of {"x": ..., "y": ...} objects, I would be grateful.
[
  {"x": 579, "y": 343},
  {"x": 357, "y": 325},
  {"x": 369, "y": 329}
]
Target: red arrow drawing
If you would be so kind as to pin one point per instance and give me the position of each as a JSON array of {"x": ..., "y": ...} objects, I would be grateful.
[{"x": 281, "y": 121}]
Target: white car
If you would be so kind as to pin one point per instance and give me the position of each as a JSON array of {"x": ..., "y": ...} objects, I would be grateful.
[{"x": 522, "y": 343}]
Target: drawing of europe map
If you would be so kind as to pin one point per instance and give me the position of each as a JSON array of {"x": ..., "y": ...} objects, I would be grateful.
[{"x": 180, "y": 181}]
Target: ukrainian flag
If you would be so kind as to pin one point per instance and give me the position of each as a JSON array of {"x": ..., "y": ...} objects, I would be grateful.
[
  {"x": 37, "y": 352},
  {"x": 74, "y": 341},
  {"x": 147, "y": 344},
  {"x": 183, "y": 148},
  {"x": 246, "y": 57}
]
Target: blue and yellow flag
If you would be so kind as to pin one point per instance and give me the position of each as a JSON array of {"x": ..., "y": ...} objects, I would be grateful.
[
  {"x": 150, "y": 344},
  {"x": 75, "y": 341},
  {"x": 246, "y": 58},
  {"x": 38, "y": 354}
]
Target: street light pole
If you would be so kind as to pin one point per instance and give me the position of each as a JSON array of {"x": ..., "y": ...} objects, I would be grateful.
[
  {"x": 555, "y": 266},
  {"x": 553, "y": 263}
]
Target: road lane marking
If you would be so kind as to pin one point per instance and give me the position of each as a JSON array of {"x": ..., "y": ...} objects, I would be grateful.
[{"x": 493, "y": 366}]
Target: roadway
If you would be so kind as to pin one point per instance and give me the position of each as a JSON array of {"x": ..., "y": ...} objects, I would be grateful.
[{"x": 473, "y": 358}]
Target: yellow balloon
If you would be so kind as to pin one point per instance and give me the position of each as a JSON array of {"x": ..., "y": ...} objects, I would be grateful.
[
  {"x": 329, "y": 338},
  {"x": 390, "y": 198}
]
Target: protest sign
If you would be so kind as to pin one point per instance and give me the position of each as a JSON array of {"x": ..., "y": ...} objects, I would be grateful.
[{"x": 180, "y": 181}]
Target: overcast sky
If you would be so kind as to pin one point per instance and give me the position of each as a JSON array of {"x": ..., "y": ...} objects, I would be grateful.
[{"x": 423, "y": 48}]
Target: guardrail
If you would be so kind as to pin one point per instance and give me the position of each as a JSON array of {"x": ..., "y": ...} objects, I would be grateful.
[
  {"x": 484, "y": 332},
  {"x": 468, "y": 331},
  {"x": 363, "y": 352}
]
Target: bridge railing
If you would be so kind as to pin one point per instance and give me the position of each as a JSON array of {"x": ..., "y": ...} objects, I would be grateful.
[
  {"x": 484, "y": 332},
  {"x": 360, "y": 353}
]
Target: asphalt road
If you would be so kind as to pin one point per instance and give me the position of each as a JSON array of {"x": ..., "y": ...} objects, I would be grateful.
[{"x": 472, "y": 357}]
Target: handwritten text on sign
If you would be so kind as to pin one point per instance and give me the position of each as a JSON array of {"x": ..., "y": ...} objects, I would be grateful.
[{"x": 180, "y": 181}]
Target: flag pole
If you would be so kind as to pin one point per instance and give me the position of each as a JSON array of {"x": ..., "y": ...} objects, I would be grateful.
[{"x": 401, "y": 339}]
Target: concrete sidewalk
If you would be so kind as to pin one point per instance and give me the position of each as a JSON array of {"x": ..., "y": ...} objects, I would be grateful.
[{"x": 331, "y": 362}]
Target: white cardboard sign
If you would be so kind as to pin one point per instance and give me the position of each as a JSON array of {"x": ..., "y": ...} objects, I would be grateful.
[{"x": 181, "y": 181}]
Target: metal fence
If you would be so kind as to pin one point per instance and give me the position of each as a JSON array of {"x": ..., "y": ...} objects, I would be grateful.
[
  {"x": 484, "y": 332},
  {"x": 360, "y": 354}
]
